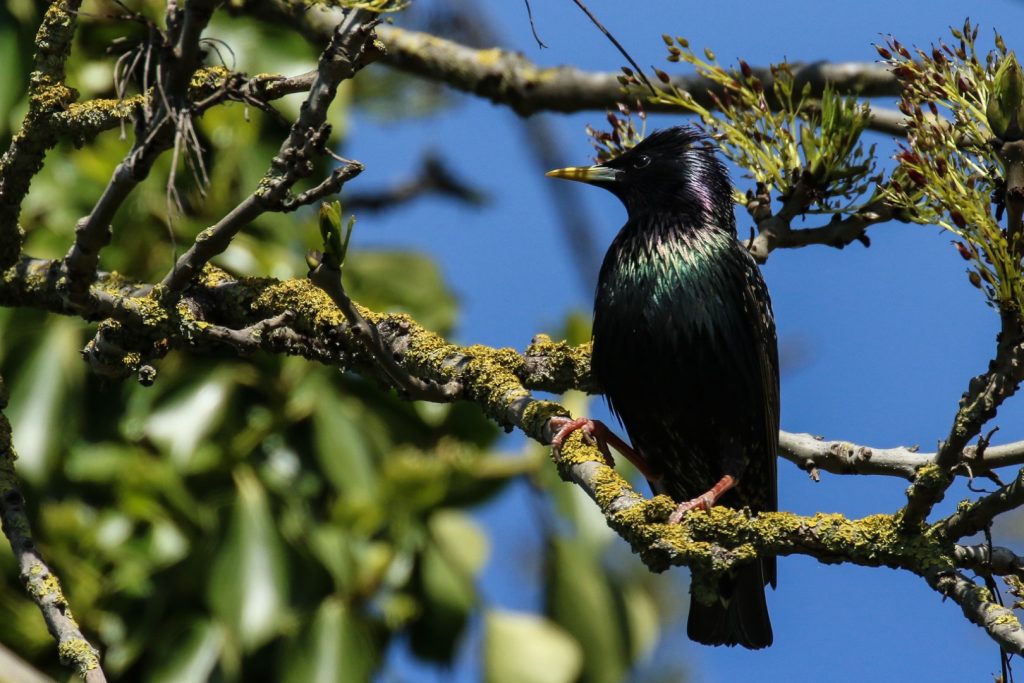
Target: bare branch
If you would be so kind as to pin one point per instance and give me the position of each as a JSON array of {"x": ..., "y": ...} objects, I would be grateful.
[
  {"x": 433, "y": 177},
  {"x": 351, "y": 47},
  {"x": 510, "y": 79},
  {"x": 984, "y": 395},
  {"x": 776, "y": 232},
  {"x": 842, "y": 457},
  {"x": 986, "y": 559},
  {"x": 165, "y": 123}
]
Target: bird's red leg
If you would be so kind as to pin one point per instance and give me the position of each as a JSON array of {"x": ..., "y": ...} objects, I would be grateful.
[
  {"x": 706, "y": 500},
  {"x": 598, "y": 433}
]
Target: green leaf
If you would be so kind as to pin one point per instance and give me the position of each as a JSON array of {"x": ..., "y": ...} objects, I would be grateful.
[
  {"x": 339, "y": 646},
  {"x": 104, "y": 463},
  {"x": 1005, "y": 108},
  {"x": 642, "y": 618},
  {"x": 460, "y": 540},
  {"x": 194, "y": 659},
  {"x": 181, "y": 426},
  {"x": 330, "y": 234},
  {"x": 455, "y": 552},
  {"x": 341, "y": 449},
  {"x": 526, "y": 648},
  {"x": 11, "y": 86},
  {"x": 40, "y": 394},
  {"x": 248, "y": 586},
  {"x": 580, "y": 599}
]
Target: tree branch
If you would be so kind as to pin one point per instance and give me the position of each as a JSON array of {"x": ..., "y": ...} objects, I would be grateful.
[
  {"x": 984, "y": 395},
  {"x": 329, "y": 280},
  {"x": 986, "y": 559},
  {"x": 432, "y": 177},
  {"x": 972, "y": 518},
  {"x": 165, "y": 122},
  {"x": 978, "y": 606},
  {"x": 496, "y": 381},
  {"x": 47, "y": 95},
  {"x": 510, "y": 79},
  {"x": 41, "y": 583},
  {"x": 350, "y": 48},
  {"x": 777, "y": 232}
]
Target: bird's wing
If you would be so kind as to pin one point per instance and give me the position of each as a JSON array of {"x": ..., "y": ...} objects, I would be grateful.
[{"x": 757, "y": 298}]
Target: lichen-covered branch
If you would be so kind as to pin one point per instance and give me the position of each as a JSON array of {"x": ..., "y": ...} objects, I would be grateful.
[
  {"x": 40, "y": 582},
  {"x": 47, "y": 95},
  {"x": 226, "y": 305},
  {"x": 980, "y": 608},
  {"x": 498, "y": 381},
  {"x": 971, "y": 518},
  {"x": 328, "y": 279}
]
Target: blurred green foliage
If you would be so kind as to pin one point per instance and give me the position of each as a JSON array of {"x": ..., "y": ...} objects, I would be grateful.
[{"x": 266, "y": 518}]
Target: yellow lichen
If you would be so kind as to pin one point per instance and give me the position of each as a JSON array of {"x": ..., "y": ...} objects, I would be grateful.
[
  {"x": 79, "y": 653},
  {"x": 489, "y": 57}
]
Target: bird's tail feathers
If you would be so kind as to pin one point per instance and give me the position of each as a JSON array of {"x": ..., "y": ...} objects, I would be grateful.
[{"x": 738, "y": 617}]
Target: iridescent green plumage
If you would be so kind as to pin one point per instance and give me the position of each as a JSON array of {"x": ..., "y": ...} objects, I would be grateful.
[{"x": 685, "y": 351}]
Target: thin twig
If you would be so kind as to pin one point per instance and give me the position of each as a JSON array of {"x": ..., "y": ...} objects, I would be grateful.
[
  {"x": 249, "y": 339},
  {"x": 329, "y": 280},
  {"x": 433, "y": 177},
  {"x": 533, "y": 27},
  {"x": 618, "y": 46}
]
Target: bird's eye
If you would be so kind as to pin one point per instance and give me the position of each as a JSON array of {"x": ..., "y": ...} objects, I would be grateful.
[{"x": 641, "y": 161}]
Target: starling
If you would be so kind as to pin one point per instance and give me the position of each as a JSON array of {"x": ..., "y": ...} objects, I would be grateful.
[{"x": 684, "y": 351}]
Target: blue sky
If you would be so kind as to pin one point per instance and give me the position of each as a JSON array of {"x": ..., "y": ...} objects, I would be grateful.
[{"x": 889, "y": 335}]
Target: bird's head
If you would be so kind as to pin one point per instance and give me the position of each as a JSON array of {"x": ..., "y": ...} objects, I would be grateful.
[{"x": 671, "y": 170}]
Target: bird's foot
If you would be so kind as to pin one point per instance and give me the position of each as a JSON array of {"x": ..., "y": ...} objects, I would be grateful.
[
  {"x": 704, "y": 501},
  {"x": 597, "y": 433},
  {"x": 594, "y": 433}
]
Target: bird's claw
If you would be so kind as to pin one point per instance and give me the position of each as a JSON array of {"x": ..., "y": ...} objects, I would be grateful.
[
  {"x": 702, "y": 502},
  {"x": 589, "y": 433}
]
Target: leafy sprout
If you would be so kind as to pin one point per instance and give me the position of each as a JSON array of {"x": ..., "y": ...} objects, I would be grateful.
[
  {"x": 778, "y": 135},
  {"x": 335, "y": 238},
  {"x": 624, "y": 134},
  {"x": 953, "y": 170}
]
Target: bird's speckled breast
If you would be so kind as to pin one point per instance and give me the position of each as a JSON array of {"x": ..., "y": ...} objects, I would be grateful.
[
  {"x": 682, "y": 324},
  {"x": 657, "y": 277}
]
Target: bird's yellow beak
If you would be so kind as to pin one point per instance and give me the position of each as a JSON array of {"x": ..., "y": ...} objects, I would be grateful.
[{"x": 586, "y": 174}]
